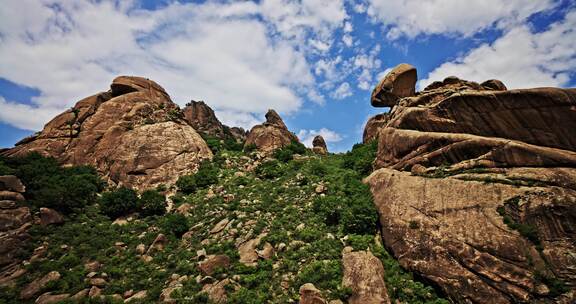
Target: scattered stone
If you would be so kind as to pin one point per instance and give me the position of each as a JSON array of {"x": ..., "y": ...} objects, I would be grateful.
[
  {"x": 213, "y": 262},
  {"x": 146, "y": 258},
  {"x": 94, "y": 292},
  {"x": 128, "y": 293},
  {"x": 141, "y": 249},
  {"x": 99, "y": 282},
  {"x": 267, "y": 252},
  {"x": 121, "y": 221},
  {"x": 137, "y": 296},
  {"x": 165, "y": 296},
  {"x": 50, "y": 217},
  {"x": 92, "y": 266},
  {"x": 158, "y": 244},
  {"x": 309, "y": 294},
  {"x": 49, "y": 298},
  {"x": 201, "y": 254},
  {"x": 217, "y": 291},
  {"x": 34, "y": 287},
  {"x": 184, "y": 209},
  {"x": 220, "y": 226},
  {"x": 82, "y": 294},
  {"x": 321, "y": 188},
  {"x": 247, "y": 251},
  {"x": 300, "y": 227}
]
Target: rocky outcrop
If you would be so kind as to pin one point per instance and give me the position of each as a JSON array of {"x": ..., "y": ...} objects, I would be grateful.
[
  {"x": 200, "y": 116},
  {"x": 364, "y": 274},
  {"x": 398, "y": 83},
  {"x": 372, "y": 127},
  {"x": 15, "y": 220},
  {"x": 319, "y": 145},
  {"x": 133, "y": 134},
  {"x": 475, "y": 189},
  {"x": 309, "y": 294},
  {"x": 271, "y": 135}
]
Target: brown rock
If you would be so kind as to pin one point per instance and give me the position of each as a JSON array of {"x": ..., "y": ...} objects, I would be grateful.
[
  {"x": 14, "y": 224},
  {"x": 137, "y": 296},
  {"x": 364, "y": 274},
  {"x": 494, "y": 84},
  {"x": 99, "y": 282},
  {"x": 398, "y": 83},
  {"x": 11, "y": 183},
  {"x": 36, "y": 286},
  {"x": 373, "y": 126},
  {"x": 11, "y": 196},
  {"x": 158, "y": 244},
  {"x": 133, "y": 134},
  {"x": 270, "y": 135},
  {"x": 213, "y": 262},
  {"x": 217, "y": 291},
  {"x": 79, "y": 296},
  {"x": 50, "y": 217},
  {"x": 247, "y": 251},
  {"x": 49, "y": 298},
  {"x": 220, "y": 226},
  {"x": 309, "y": 294},
  {"x": 92, "y": 266},
  {"x": 319, "y": 145},
  {"x": 200, "y": 116},
  {"x": 267, "y": 252}
]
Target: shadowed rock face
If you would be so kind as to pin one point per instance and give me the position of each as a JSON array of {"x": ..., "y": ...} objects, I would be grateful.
[
  {"x": 133, "y": 134},
  {"x": 373, "y": 126},
  {"x": 458, "y": 159},
  {"x": 398, "y": 83},
  {"x": 200, "y": 116},
  {"x": 271, "y": 135}
]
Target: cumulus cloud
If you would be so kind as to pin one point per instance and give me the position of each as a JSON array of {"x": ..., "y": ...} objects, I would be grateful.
[
  {"x": 342, "y": 91},
  {"x": 306, "y": 136},
  {"x": 414, "y": 17},
  {"x": 521, "y": 58},
  {"x": 241, "y": 57},
  {"x": 25, "y": 116}
]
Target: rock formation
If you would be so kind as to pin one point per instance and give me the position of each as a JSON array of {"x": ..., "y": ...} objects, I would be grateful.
[
  {"x": 364, "y": 274},
  {"x": 271, "y": 135},
  {"x": 133, "y": 134},
  {"x": 475, "y": 188},
  {"x": 398, "y": 83},
  {"x": 373, "y": 126},
  {"x": 200, "y": 116},
  {"x": 319, "y": 145},
  {"x": 15, "y": 220}
]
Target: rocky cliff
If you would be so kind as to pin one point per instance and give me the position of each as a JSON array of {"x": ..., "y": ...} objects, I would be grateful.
[
  {"x": 200, "y": 116},
  {"x": 475, "y": 188},
  {"x": 270, "y": 135},
  {"x": 133, "y": 134}
]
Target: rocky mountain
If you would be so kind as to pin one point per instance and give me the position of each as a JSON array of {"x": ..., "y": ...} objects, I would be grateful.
[
  {"x": 270, "y": 135},
  {"x": 203, "y": 119},
  {"x": 475, "y": 188},
  {"x": 133, "y": 134}
]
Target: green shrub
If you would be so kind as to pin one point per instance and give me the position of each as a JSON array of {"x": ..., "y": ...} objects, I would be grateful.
[
  {"x": 323, "y": 274},
  {"x": 186, "y": 184},
  {"x": 250, "y": 147},
  {"x": 360, "y": 216},
  {"x": 360, "y": 158},
  {"x": 269, "y": 169},
  {"x": 119, "y": 202},
  {"x": 207, "y": 175},
  {"x": 152, "y": 203},
  {"x": 175, "y": 223},
  {"x": 49, "y": 185},
  {"x": 286, "y": 153}
]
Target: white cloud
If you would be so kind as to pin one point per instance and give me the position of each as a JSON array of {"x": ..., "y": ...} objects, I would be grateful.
[
  {"x": 342, "y": 91},
  {"x": 414, "y": 17},
  {"x": 242, "y": 58},
  {"x": 348, "y": 27},
  {"x": 348, "y": 41},
  {"x": 520, "y": 58},
  {"x": 25, "y": 116},
  {"x": 307, "y": 136}
]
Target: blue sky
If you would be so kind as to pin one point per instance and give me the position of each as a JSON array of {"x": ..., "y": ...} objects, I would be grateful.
[{"x": 314, "y": 61}]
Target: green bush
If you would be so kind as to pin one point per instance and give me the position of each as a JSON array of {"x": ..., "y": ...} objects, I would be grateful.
[
  {"x": 152, "y": 203},
  {"x": 175, "y": 223},
  {"x": 119, "y": 202},
  {"x": 286, "y": 153},
  {"x": 269, "y": 169},
  {"x": 207, "y": 175},
  {"x": 187, "y": 184},
  {"x": 360, "y": 158},
  {"x": 49, "y": 185},
  {"x": 250, "y": 147}
]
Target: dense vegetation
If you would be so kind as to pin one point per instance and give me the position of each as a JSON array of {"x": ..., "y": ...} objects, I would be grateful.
[{"x": 308, "y": 209}]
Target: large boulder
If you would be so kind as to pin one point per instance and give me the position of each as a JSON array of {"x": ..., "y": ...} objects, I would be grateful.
[
  {"x": 200, "y": 116},
  {"x": 319, "y": 145},
  {"x": 372, "y": 127},
  {"x": 133, "y": 134},
  {"x": 364, "y": 274},
  {"x": 271, "y": 135},
  {"x": 400, "y": 82},
  {"x": 475, "y": 186}
]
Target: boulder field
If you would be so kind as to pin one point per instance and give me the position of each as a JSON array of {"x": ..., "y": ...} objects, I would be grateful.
[{"x": 475, "y": 186}]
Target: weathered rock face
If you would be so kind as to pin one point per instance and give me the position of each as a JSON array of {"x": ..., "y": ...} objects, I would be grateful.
[
  {"x": 200, "y": 116},
  {"x": 271, "y": 135},
  {"x": 133, "y": 134},
  {"x": 364, "y": 274},
  {"x": 373, "y": 126},
  {"x": 398, "y": 83},
  {"x": 15, "y": 221},
  {"x": 475, "y": 188},
  {"x": 319, "y": 145}
]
